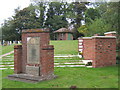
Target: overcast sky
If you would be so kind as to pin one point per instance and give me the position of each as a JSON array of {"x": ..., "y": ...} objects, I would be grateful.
[{"x": 7, "y": 7}]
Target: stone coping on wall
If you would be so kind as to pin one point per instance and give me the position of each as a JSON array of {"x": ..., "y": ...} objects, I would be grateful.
[
  {"x": 18, "y": 47},
  {"x": 87, "y": 38},
  {"x": 49, "y": 47},
  {"x": 103, "y": 37},
  {"x": 97, "y": 37},
  {"x": 45, "y": 30},
  {"x": 110, "y": 32}
]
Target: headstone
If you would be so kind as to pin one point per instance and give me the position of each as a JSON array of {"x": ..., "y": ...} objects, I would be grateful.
[
  {"x": 34, "y": 59},
  {"x": 10, "y": 42}
]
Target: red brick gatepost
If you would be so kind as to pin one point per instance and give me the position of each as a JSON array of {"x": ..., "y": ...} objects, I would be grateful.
[
  {"x": 18, "y": 59},
  {"x": 100, "y": 49},
  {"x": 104, "y": 51}
]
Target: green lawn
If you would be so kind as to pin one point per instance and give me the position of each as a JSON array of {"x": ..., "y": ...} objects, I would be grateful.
[
  {"x": 6, "y": 49},
  {"x": 81, "y": 77},
  {"x": 65, "y": 47},
  {"x": 61, "y": 47}
]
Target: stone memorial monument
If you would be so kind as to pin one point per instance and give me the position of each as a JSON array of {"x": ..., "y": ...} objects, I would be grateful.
[{"x": 34, "y": 59}]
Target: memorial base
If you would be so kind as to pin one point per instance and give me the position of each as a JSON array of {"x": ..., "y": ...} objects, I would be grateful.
[{"x": 30, "y": 78}]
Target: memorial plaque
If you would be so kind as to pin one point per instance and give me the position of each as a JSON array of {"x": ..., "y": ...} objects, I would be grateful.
[
  {"x": 33, "y": 70},
  {"x": 33, "y": 50}
]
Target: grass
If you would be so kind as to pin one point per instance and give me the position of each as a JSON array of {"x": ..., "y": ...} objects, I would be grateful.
[
  {"x": 66, "y": 59},
  {"x": 7, "y": 49},
  {"x": 82, "y": 77},
  {"x": 7, "y": 60},
  {"x": 61, "y": 47},
  {"x": 65, "y": 47}
]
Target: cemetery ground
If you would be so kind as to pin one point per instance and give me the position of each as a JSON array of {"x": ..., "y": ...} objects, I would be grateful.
[{"x": 81, "y": 77}]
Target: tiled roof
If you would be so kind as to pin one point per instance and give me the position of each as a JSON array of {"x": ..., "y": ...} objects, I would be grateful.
[{"x": 63, "y": 30}]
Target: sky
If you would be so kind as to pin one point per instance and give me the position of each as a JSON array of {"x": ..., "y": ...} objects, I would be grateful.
[{"x": 7, "y": 8}]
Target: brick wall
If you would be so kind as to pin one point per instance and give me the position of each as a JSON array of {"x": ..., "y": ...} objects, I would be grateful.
[
  {"x": 87, "y": 48},
  {"x": 100, "y": 49},
  {"x": 105, "y": 51}
]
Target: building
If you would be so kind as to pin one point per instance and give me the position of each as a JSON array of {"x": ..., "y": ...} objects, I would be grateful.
[{"x": 63, "y": 34}]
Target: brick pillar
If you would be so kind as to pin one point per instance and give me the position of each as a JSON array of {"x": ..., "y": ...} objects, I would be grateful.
[
  {"x": 17, "y": 59},
  {"x": 104, "y": 51},
  {"x": 47, "y": 62},
  {"x": 88, "y": 48}
]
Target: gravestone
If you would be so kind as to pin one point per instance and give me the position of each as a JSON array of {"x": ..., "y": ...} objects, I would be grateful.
[{"x": 34, "y": 59}]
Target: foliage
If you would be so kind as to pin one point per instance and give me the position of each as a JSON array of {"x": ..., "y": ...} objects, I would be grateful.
[
  {"x": 83, "y": 29},
  {"x": 79, "y": 9},
  {"x": 91, "y": 14},
  {"x": 56, "y": 17},
  {"x": 9, "y": 32},
  {"x": 98, "y": 27},
  {"x": 102, "y": 18}
]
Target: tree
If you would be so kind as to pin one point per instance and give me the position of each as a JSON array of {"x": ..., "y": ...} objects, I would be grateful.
[
  {"x": 56, "y": 17},
  {"x": 83, "y": 29},
  {"x": 91, "y": 14},
  {"x": 79, "y": 9},
  {"x": 26, "y": 18},
  {"x": 103, "y": 18},
  {"x": 9, "y": 33}
]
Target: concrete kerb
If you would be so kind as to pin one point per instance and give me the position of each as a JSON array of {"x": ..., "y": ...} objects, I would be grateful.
[
  {"x": 64, "y": 56},
  {"x": 6, "y": 54}
]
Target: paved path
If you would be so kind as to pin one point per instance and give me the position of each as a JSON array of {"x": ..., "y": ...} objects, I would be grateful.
[
  {"x": 6, "y": 54},
  {"x": 2, "y": 67}
]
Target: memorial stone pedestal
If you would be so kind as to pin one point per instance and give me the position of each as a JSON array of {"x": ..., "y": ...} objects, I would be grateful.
[{"x": 34, "y": 59}]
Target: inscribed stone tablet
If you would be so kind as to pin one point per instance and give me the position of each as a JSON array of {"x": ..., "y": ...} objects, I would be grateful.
[
  {"x": 33, "y": 70},
  {"x": 33, "y": 50}
]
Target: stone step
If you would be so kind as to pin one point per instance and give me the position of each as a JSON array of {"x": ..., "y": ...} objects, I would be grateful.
[
  {"x": 70, "y": 63},
  {"x": 5, "y": 68},
  {"x": 5, "y": 65},
  {"x": 69, "y": 66},
  {"x": 30, "y": 78},
  {"x": 68, "y": 56}
]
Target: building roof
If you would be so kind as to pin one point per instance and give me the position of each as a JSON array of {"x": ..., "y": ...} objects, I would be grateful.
[{"x": 63, "y": 30}]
